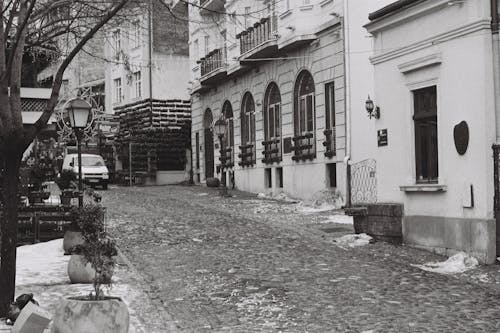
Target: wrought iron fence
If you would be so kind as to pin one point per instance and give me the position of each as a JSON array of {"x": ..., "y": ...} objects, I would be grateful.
[{"x": 364, "y": 182}]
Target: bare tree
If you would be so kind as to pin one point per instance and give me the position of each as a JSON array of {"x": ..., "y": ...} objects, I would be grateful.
[{"x": 35, "y": 24}]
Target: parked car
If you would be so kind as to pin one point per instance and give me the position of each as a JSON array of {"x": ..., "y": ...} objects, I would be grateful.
[{"x": 94, "y": 170}]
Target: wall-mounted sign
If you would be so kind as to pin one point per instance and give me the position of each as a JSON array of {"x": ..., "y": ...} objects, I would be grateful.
[
  {"x": 461, "y": 136},
  {"x": 382, "y": 137}
]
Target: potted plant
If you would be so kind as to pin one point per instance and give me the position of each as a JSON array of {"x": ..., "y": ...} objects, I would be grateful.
[
  {"x": 95, "y": 312},
  {"x": 37, "y": 190},
  {"x": 85, "y": 223},
  {"x": 67, "y": 185}
]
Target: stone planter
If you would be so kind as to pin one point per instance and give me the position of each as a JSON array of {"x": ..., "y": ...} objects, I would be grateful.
[
  {"x": 72, "y": 238},
  {"x": 381, "y": 221},
  {"x": 79, "y": 315},
  {"x": 81, "y": 271},
  {"x": 213, "y": 182}
]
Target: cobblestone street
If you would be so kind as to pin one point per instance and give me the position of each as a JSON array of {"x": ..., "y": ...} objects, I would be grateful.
[{"x": 245, "y": 264}]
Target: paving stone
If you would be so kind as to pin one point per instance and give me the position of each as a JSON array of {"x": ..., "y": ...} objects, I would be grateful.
[{"x": 244, "y": 264}]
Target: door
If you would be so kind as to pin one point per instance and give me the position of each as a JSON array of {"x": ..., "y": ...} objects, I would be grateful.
[{"x": 209, "y": 153}]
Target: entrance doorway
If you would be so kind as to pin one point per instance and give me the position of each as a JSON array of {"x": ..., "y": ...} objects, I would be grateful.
[{"x": 209, "y": 144}]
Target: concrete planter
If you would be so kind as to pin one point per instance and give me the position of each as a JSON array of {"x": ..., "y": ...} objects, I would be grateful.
[
  {"x": 381, "y": 221},
  {"x": 79, "y": 315},
  {"x": 213, "y": 182},
  {"x": 81, "y": 271},
  {"x": 72, "y": 238}
]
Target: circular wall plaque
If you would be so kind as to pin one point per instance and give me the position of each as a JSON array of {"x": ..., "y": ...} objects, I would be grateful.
[{"x": 461, "y": 136}]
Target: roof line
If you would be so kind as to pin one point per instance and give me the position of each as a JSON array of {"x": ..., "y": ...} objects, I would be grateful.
[{"x": 389, "y": 9}]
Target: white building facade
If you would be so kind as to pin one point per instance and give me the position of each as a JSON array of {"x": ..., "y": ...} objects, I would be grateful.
[
  {"x": 434, "y": 70},
  {"x": 275, "y": 71}
]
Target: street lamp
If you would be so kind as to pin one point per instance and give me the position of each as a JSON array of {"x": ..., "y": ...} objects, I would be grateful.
[
  {"x": 78, "y": 112},
  {"x": 219, "y": 128}
]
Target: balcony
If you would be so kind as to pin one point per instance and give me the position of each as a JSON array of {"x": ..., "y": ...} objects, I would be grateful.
[
  {"x": 209, "y": 6},
  {"x": 272, "y": 151},
  {"x": 213, "y": 66},
  {"x": 247, "y": 155},
  {"x": 304, "y": 147},
  {"x": 259, "y": 40}
]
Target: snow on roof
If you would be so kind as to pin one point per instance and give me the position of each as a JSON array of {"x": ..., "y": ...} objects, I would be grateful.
[{"x": 38, "y": 93}]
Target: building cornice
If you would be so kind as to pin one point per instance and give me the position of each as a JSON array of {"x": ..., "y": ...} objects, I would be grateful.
[
  {"x": 483, "y": 24},
  {"x": 401, "y": 17}
]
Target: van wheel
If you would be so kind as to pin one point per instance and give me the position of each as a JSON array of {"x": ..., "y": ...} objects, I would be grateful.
[{"x": 105, "y": 186}]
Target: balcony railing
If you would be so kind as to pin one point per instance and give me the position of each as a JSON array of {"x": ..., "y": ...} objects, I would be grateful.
[
  {"x": 304, "y": 147},
  {"x": 259, "y": 33},
  {"x": 330, "y": 143},
  {"x": 272, "y": 151},
  {"x": 247, "y": 155},
  {"x": 212, "y": 61}
]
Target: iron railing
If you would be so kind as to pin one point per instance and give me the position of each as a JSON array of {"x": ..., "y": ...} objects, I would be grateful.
[
  {"x": 330, "y": 142},
  {"x": 261, "y": 32},
  {"x": 272, "y": 151},
  {"x": 212, "y": 61}
]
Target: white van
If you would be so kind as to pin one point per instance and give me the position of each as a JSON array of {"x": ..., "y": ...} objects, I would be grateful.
[{"x": 94, "y": 170}]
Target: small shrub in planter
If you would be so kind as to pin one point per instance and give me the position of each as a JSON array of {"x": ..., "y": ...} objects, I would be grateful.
[
  {"x": 94, "y": 312},
  {"x": 66, "y": 180},
  {"x": 86, "y": 223},
  {"x": 213, "y": 182}
]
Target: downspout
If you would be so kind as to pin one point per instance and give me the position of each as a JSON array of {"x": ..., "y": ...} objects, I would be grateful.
[
  {"x": 496, "y": 64},
  {"x": 150, "y": 57},
  {"x": 347, "y": 102}
]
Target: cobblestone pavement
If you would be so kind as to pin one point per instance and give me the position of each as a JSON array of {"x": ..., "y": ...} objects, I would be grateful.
[{"x": 244, "y": 264}]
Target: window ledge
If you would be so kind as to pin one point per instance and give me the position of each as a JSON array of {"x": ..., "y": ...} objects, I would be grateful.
[
  {"x": 424, "y": 188},
  {"x": 325, "y": 2},
  {"x": 286, "y": 13},
  {"x": 306, "y": 7}
]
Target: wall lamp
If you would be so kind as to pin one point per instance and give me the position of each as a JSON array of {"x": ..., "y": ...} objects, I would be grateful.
[{"x": 372, "y": 109}]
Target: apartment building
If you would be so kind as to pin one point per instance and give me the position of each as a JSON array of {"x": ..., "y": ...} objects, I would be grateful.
[
  {"x": 147, "y": 87},
  {"x": 280, "y": 73}
]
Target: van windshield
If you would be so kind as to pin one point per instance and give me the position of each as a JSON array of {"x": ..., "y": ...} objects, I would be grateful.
[{"x": 90, "y": 161}]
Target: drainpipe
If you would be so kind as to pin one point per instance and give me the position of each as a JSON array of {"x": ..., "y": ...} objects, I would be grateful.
[
  {"x": 496, "y": 64},
  {"x": 347, "y": 100},
  {"x": 150, "y": 57}
]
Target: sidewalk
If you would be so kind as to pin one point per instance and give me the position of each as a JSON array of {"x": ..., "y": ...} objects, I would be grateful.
[{"x": 42, "y": 270}]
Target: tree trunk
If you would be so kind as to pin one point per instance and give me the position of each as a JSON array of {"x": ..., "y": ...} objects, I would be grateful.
[{"x": 8, "y": 228}]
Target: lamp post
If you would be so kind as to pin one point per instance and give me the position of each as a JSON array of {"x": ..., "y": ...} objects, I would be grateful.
[
  {"x": 78, "y": 112},
  {"x": 219, "y": 130}
]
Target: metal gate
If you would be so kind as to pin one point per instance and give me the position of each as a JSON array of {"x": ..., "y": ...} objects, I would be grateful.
[
  {"x": 363, "y": 182},
  {"x": 496, "y": 198}
]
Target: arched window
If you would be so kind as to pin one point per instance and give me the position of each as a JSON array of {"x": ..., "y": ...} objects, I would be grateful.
[
  {"x": 272, "y": 112},
  {"x": 247, "y": 130},
  {"x": 209, "y": 143},
  {"x": 304, "y": 113},
  {"x": 272, "y": 124},
  {"x": 227, "y": 114}
]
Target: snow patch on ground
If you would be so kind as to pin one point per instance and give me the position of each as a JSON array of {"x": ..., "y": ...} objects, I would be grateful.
[
  {"x": 354, "y": 240},
  {"x": 42, "y": 263},
  {"x": 279, "y": 196},
  {"x": 42, "y": 270},
  {"x": 339, "y": 219},
  {"x": 458, "y": 263},
  {"x": 306, "y": 208}
]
